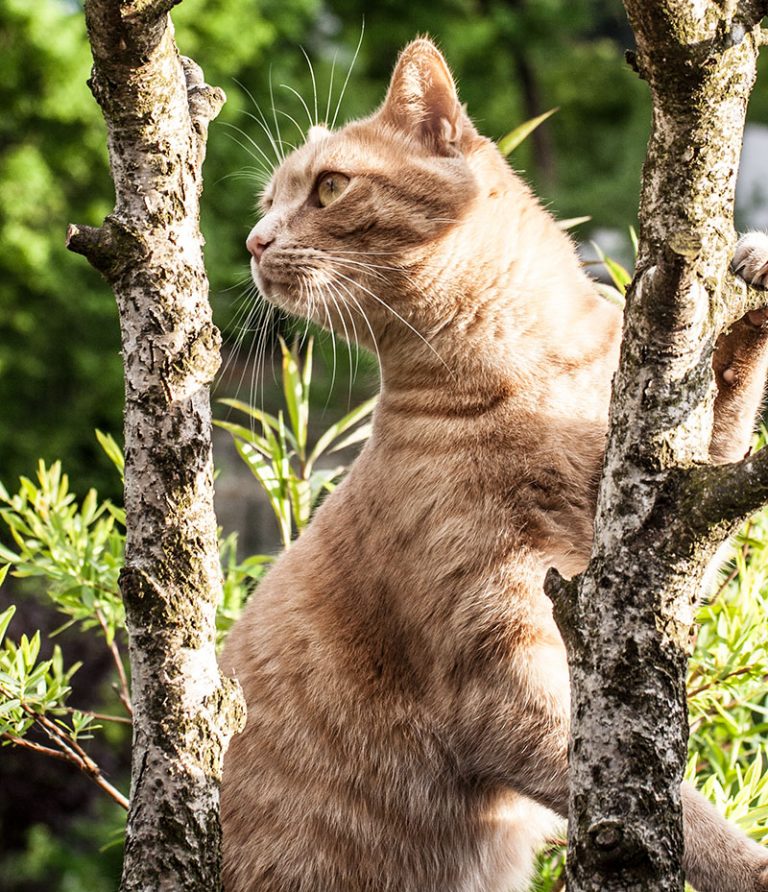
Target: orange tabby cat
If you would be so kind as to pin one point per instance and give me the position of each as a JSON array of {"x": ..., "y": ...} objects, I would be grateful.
[{"x": 407, "y": 688}]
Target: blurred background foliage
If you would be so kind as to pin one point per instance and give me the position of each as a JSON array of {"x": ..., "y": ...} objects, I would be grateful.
[
  {"x": 60, "y": 373},
  {"x": 60, "y": 369}
]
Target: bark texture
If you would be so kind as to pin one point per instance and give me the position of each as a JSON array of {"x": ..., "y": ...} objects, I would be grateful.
[
  {"x": 157, "y": 108},
  {"x": 662, "y": 509}
]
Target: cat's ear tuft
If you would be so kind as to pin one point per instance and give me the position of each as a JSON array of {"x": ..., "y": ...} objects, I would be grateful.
[
  {"x": 422, "y": 99},
  {"x": 318, "y": 132}
]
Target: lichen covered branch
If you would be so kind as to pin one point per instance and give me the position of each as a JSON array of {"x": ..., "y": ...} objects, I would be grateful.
[
  {"x": 157, "y": 108},
  {"x": 626, "y": 620}
]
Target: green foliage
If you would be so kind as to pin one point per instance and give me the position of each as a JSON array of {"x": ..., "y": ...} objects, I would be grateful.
[
  {"x": 279, "y": 457},
  {"x": 507, "y": 144},
  {"x": 239, "y": 579},
  {"x": 65, "y": 858},
  {"x": 76, "y": 548},
  {"x": 31, "y": 688},
  {"x": 728, "y": 687}
]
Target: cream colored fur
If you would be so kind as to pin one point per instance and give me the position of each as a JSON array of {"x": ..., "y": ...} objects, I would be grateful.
[{"x": 407, "y": 688}]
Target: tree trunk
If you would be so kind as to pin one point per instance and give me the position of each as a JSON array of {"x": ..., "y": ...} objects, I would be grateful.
[
  {"x": 662, "y": 509},
  {"x": 157, "y": 110}
]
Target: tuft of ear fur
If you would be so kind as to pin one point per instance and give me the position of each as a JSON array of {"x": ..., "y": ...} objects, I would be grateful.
[
  {"x": 318, "y": 132},
  {"x": 422, "y": 99}
]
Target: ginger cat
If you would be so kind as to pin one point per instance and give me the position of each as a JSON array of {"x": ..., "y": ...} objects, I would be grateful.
[{"x": 407, "y": 687}]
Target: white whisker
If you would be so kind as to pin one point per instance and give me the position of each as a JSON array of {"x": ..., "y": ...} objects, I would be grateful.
[
  {"x": 398, "y": 316},
  {"x": 366, "y": 320},
  {"x": 346, "y": 80},
  {"x": 330, "y": 89},
  {"x": 301, "y": 100},
  {"x": 314, "y": 83},
  {"x": 274, "y": 115},
  {"x": 262, "y": 121}
]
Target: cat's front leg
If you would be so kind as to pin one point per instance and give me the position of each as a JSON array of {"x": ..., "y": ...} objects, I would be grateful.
[
  {"x": 522, "y": 744},
  {"x": 740, "y": 361}
]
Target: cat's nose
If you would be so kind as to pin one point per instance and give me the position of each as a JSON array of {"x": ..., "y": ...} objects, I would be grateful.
[{"x": 257, "y": 244}]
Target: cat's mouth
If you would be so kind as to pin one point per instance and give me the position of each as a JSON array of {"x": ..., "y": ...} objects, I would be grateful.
[{"x": 277, "y": 291}]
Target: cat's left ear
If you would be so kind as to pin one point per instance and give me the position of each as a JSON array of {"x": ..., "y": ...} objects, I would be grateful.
[{"x": 422, "y": 99}]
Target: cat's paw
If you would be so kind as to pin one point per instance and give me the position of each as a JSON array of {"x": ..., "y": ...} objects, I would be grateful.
[
  {"x": 750, "y": 259},
  {"x": 761, "y": 881}
]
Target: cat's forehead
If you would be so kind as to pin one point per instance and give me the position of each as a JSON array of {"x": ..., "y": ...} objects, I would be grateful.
[{"x": 352, "y": 150}]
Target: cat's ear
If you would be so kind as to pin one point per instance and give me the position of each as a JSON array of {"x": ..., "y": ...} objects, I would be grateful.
[{"x": 422, "y": 98}]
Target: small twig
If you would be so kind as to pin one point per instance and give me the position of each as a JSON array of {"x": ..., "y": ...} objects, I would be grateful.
[
  {"x": 711, "y": 684},
  {"x": 69, "y": 750},
  {"x": 37, "y": 747},
  {"x": 124, "y": 692},
  {"x": 99, "y": 716}
]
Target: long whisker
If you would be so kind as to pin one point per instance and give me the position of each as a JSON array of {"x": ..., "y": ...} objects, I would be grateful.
[
  {"x": 330, "y": 88},
  {"x": 398, "y": 316},
  {"x": 266, "y": 164},
  {"x": 257, "y": 309},
  {"x": 252, "y": 174},
  {"x": 262, "y": 122},
  {"x": 349, "y": 72},
  {"x": 314, "y": 82},
  {"x": 246, "y": 309},
  {"x": 346, "y": 338},
  {"x": 373, "y": 270},
  {"x": 343, "y": 305},
  {"x": 263, "y": 119},
  {"x": 301, "y": 100},
  {"x": 294, "y": 122},
  {"x": 333, "y": 343},
  {"x": 365, "y": 318},
  {"x": 274, "y": 115}
]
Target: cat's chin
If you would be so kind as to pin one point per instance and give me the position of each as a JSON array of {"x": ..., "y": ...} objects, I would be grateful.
[{"x": 280, "y": 294}]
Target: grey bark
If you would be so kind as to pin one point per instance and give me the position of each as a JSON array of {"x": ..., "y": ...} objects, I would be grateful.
[
  {"x": 157, "y": 109},
  {"x": 662, "y": 510}
]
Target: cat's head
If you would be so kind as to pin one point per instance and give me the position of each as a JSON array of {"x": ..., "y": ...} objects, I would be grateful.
[{"x": 359, "y": 226}]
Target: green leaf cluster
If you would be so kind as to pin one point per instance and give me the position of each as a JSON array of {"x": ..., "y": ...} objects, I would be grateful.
[{"x": 277, "y": 453}]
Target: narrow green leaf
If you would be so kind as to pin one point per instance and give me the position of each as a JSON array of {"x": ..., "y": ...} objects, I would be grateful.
[
  {"x": 5, "y": 618},
  {"x": 572, "y": 222},
  {"x": 336, "y": 430},
  {"x": 633, "y": 239},
  {"x": 507, "y": 144},
  {"x": 113, "y": 451}
]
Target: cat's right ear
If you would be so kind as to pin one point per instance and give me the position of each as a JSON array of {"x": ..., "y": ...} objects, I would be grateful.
[{"x": 422, "y": 100}]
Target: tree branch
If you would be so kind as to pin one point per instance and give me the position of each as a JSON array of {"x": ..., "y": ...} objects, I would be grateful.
[
  {"x": 157, "y": 108},
  {"x": 632, "y": 605},
  {"x": 737, "y": 299},
  {"x": 124, "y": 691},
  {"x": 721, "y": 497}
]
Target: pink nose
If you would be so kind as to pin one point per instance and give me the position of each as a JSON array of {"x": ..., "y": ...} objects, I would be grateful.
[{"x": 257, "y": 244}]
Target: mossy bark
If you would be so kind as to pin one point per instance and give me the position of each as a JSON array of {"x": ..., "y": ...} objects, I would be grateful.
[
  {"x": 627, "y": 620},
  {"x": 157, "y": 108}
]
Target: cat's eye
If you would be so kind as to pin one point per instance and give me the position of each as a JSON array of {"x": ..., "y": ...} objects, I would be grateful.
[{"x": 330, "y": 186}]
